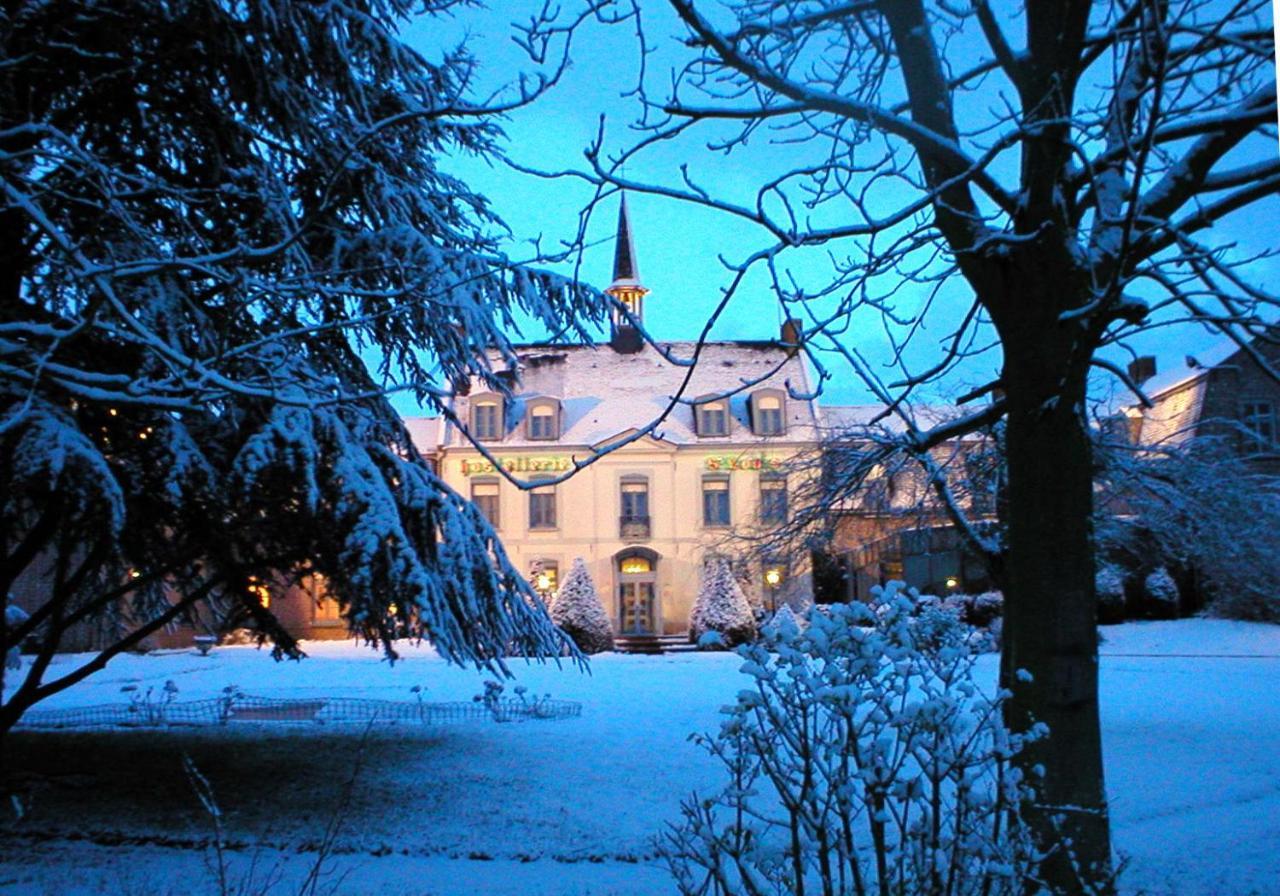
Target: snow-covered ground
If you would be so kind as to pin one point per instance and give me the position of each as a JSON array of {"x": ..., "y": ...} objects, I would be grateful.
[{"x": 1191, "y": 714}]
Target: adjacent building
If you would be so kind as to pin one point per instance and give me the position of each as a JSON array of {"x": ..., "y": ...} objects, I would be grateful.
[{"x": 1226, "y": 392}]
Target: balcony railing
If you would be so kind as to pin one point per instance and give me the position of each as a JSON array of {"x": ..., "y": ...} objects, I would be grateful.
[{"x": 633, "y": 527}]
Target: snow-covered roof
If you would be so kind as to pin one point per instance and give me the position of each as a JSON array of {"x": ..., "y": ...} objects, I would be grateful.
[
  {"x": 1178, "y": 395},
  {"x": 1195, "y": 366},
  {"x": 604, "y": 393},
  {"x": 836, "y": 419},
  {"x": 425, "y": 432},
  {"x": 1175, "y": 412}
]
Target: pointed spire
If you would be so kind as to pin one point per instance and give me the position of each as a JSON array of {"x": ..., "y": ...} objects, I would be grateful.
[
  {"x": 626, "y": 289},
  {"x": 626, "y": 272}
]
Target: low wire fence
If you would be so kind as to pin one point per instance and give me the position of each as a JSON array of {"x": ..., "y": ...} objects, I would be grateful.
[{"x": 240, "y": 708}]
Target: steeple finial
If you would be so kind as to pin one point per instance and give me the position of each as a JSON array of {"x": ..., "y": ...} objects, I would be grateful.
[{"x": 626, "y": 287}]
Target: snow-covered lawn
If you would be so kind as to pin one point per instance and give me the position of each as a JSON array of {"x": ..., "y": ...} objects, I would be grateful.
[{"x": 1191, "y": 712}]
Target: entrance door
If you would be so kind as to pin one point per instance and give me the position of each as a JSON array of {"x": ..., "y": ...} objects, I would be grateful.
[
  {"x": 637, "y": 585},
  {"x": 635, "y": 599}
]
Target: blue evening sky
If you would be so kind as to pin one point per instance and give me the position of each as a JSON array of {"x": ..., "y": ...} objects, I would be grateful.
[{"x": 679, "y": 245}]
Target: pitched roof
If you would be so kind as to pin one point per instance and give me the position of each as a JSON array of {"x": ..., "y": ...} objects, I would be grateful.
[
  {"x": 603, "y": 393},
  {"x": 425, "y": 432},
  {"x": 840, "y": 418},
  {"x": 1196, "y": 365},
  {"x": 1176, "y": 410}
]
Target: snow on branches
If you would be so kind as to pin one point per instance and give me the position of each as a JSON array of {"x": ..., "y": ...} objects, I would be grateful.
[{"x": 229, "y": 242}]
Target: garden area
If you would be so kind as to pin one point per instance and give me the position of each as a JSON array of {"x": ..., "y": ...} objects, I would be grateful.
[{"x": 571, "y": 806}]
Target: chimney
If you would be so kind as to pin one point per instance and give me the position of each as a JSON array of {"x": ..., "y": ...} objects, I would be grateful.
[
  {"x": 792, "y": 333},
  {"x": 1142, "y": 369}
]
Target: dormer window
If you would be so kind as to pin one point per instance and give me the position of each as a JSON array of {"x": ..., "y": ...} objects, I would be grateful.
[
  {"x": 712, "y": 417},
  {"x": 486, "y": 418},
  {"x": 768, "y": 413},
  {"x": 544, "y": 419}
]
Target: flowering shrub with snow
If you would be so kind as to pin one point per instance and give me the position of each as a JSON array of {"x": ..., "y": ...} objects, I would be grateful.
[
  {"x": 861, "y": 758},
  {"x": 580, "y": 614},
  {"x": 721, "y": 606}
]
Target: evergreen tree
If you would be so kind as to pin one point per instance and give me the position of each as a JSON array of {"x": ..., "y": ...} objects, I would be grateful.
[
  {"x": 213, "y": 214},
  {"x": 580, "y": 614},
  {"x": 722, "y": 607}
]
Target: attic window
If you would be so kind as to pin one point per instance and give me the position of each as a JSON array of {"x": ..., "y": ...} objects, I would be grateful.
[
  {"x": 544, "y": 420},
  {"x": 486, "y": 418},
  {"x": 768, "y": 415},
  {"x": 712, "y": 418}
]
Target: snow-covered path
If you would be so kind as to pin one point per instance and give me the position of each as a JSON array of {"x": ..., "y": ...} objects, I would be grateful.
[{"x": 1191, "y": 713}]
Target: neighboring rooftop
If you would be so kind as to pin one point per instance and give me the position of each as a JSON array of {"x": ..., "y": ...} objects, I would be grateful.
[{"x": 841, "y": 418}]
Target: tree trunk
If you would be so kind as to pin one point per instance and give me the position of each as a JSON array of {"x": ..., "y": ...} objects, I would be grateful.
[{"x": 1050, "y": 627}]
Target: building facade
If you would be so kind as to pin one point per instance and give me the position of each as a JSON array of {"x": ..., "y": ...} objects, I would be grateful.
[
  {"x": 673, "y": 463},
  {"x": 1224, "y": 393}
]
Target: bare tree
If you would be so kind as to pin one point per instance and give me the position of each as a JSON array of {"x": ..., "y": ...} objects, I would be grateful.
[{"x": 1042, "y": 179}]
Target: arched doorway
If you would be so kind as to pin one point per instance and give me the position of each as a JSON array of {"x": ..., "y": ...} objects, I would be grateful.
[{"x": 637, "y": 570}]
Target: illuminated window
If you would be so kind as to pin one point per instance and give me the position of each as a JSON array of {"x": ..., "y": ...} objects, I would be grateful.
[
  {"x": 773, "y": 498},
  {"x": 767, "y": 414},
  {"x": 542, "y": 507},
  {"x": 260, "y": 592},
  {"x": 546, "y": 576},
  {"x": 486, "y": 419},
  {"x": 713, "y": 418},
  {"x": 544, "y": 421},
  {"x": 715, "y": 501},
  {"x": 484, "y": 494},
  {"x": 635, "y": 565}
]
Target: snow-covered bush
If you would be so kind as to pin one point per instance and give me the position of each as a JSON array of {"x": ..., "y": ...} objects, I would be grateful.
[
  {"x": 721, "y": 606},
  {"x": 985, "y": 608},
  {"x": 1203, "y": 511},
  {"x": 976, "y": 609},
  {"x": 1109, "y": 585},
  {"x": 785, "y": 621},
  {"x": 1161, "y": 588},
  {"x": 580, "y": 614},
  {"x": 861, "y": 758}
]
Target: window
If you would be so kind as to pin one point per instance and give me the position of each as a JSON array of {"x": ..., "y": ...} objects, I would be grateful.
[
  {"x": 486, "y": 419},
  {"x": 715, "y": 501},
  {"x": 544, "y": 420},
  {"x": 634, "y": 522},
  {"x": 484, "y": 494},
  {"x": 773, "y": 499},
  {"x": 545, "y": 576},
  {"x": 713, "y": 418},
  {"x": 634, "y": 565},
  {"x": 542, "y": 507},
  {"x": 635, "y": 500},
  {"x": 1259, "y": 420},
  {"x": 767, "y": 413}
]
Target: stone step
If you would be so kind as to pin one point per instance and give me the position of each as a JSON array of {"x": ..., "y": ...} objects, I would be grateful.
[{"x": 651, "y": 644}]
